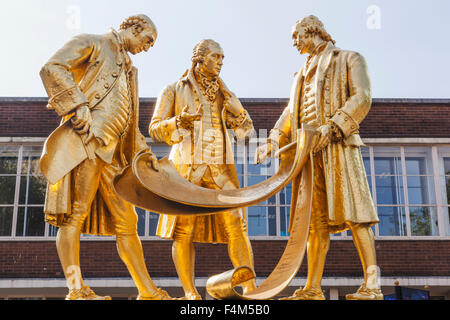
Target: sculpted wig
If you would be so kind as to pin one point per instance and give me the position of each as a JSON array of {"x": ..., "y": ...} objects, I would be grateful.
[
  {"x": 312, "y": 25},
  {"x": 141, "y": 21}
]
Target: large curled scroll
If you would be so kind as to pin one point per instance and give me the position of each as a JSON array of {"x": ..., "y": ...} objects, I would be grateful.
[{"x": 166, "y": 191}]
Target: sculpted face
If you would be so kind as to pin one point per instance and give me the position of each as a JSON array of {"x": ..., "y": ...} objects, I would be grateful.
[
  {"x": 142, "y": 41},
  {"x": 213, "y": 61},
  {"x": 301, "y": 40}
]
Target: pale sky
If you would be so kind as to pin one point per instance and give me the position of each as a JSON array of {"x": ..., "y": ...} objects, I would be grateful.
[{"x": 405, "y": 42}]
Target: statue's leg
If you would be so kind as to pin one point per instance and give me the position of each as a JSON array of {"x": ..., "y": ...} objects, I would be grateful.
[
  {"x": 129, "y": 245},
  {"x": 318, "y": 238},
  {"x": 183, "y": 254},
  {"x": 364, "y": 242},
  {"x": 239, "y": 247},
  {"x": 318, "y": 244},
  {"x": 363, "y": 239},
  {"x": 85, "y": 180}
]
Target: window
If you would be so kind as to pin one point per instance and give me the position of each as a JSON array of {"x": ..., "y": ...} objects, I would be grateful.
[
  {"x": 389, "y": 194},
  {"x": 410, "y": 187},
  {"x": 405, "y": 195},
  {"x": 261, "y": 218},
  {"x": 23, "y": 191},
  {"x": 444, "y": 181},
  {"x": 8, "y": 172}
]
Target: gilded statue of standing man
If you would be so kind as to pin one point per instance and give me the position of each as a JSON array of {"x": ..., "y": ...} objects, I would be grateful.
[
  {"x": 92, "y": 85},
  {"x": 331, "y": 93},
  {"x": 193, "y": 115}
]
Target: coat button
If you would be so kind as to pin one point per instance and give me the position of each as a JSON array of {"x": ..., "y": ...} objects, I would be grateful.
[
  {"x": 70, "y": 93},
  {"x": 106, "y": 85},
  {"x": 114, "y": 74},
  {"x": 98, "y": 96}
]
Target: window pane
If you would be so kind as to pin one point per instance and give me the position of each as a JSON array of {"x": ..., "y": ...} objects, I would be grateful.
[
  {"x": 387, "y": 166},
  {"x": 284, "y": 220},
  {"x": 392, "y": 221},
  {"x": 32, "y": 190},
  {"x": 257, "y": 221},
  {"x": 415, "y": 166},
  {"x": 6, "y": 214},
  {"x": 153, "y": 223},
  {"x": 8, "y": 159},
  {"x": 268, "y": 168},
  {"x": 421, "y": 190},
  {"x": 366, "y": 159},
  {"x": 389, "y": 190},
  {"x": 8, "y": 188},
  {"x": 30, "y": 221},
  {"x": 30, "y": 160},
  {"x": 447, "y": 166},
  {"x": 239, "y": 168},
  {"x": 447, "y": 186},
  {"x": 141, "y": 221},
  {"x": 418, "y": 160},
  {"x": 285, "y": 195},
  {"x": 387, "y": 161},
  {"x": 423, "y": 221},
  {"x": 447, "y": 224},
  {"x": 272, "y": 220}
]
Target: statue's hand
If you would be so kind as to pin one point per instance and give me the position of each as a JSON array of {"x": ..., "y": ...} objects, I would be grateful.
[
  {"x": 153, "y": 161},
  {"x": 186, "y": 120},
  {"x": 262, "y": 153},
  {"x": 82, "y": 121},
  {"x": 324, "y": 138}
]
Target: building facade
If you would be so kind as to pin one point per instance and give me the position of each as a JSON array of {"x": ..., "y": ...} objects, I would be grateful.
[{"x": 407, "y": 161}]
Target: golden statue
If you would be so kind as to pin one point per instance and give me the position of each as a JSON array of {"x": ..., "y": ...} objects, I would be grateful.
[
  {"x": 193, "y": 115},
  {"x": 331, "y": 93},
  {"x": 92, "y": 85}
]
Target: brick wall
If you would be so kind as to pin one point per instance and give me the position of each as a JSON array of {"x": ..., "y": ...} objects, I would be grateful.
[
  {"x": 39, "y": 259},
  {"x": 387, "y": 118}
]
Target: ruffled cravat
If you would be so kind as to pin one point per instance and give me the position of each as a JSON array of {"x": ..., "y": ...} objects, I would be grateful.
[{"x": 209, "y": 87}]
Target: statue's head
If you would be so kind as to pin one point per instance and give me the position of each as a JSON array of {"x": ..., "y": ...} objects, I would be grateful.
[
  {"x": 305, "y": 30},
  {"x": 139, "y": 33},
  {"x": 208, "y": 56}
]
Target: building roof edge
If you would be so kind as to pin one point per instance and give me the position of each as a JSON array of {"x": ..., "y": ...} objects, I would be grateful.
[{"x": 253, "y": 100}]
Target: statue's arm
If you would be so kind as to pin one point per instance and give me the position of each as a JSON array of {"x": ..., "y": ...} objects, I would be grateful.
[
  {"x": 278, "y": 137},
  {"x": 281, "y": 132},
  {"x": 163, "y": 126},
  {"x": 237, "y": 118},
  {"x": 64, "y": 94},
  {"x": 358, "y": 104}
]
